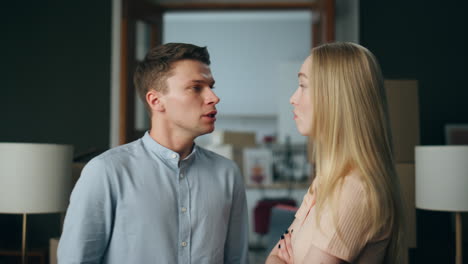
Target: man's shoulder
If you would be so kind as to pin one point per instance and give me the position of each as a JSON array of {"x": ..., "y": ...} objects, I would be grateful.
[
  {"x": 125, "y": 150},
  {"x": 104, "y": 166},
  {"x": 119, "y": 153}
]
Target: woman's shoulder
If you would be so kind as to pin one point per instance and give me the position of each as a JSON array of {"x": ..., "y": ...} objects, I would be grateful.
[
  {"x": 355, "y": 203},
  {"x": 342, "y": 228},
  {"x": 353, "y": 187}
]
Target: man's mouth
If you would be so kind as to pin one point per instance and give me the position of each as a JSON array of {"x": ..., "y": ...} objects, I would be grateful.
[{"x": 211, "y": 114}]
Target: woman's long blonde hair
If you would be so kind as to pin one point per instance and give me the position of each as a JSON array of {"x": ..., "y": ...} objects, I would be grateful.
[{"x": 351, "y": 131}]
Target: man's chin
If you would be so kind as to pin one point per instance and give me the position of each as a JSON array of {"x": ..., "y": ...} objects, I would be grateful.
[{"x": 207, "y": 131}]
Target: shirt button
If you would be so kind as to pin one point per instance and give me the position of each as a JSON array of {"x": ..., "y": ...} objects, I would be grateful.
[
  {"x": 183, "y": 209},
  {"x": 184, "y": 244},
  {"x": 174, "y": 155},
  {"x": 181, "y": 176}
]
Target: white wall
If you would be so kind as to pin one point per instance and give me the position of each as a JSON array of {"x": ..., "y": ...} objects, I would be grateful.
[{"x": 246, "y": 50}]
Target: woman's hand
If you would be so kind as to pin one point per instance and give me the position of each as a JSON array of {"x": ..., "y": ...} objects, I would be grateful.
[
  {"x": 285, "y": 252},
  {"x": 282, "y": 253}
]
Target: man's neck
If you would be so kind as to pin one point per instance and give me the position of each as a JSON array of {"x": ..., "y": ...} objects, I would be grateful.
[{"x": 180, "y": 144}]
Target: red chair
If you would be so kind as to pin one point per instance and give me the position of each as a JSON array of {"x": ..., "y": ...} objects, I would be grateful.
[{"x": 262, "y": 213}]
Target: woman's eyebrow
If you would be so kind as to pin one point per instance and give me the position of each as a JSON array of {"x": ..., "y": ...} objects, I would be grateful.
[{"x": 301, "y": 74}]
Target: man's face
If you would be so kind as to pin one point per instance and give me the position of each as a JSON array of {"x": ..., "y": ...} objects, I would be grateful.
[{"x": 189, "y": 101}]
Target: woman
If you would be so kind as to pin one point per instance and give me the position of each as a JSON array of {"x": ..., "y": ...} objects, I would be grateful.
[{"x": 352, "y": 211}]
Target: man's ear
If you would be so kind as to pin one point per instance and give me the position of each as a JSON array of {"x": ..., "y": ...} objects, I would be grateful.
[{"x": 153, "y": 98}]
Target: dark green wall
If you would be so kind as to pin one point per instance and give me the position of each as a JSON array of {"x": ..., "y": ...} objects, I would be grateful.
[
  {"x": 424, "y": 40},
  {"x": 54, "y": 85},
  {"x": 55, "y": 72}
]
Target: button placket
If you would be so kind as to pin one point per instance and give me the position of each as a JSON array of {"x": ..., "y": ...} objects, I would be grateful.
[{"x": 184, "y": 217}]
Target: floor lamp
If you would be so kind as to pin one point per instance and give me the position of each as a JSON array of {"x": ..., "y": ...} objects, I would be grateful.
[
  {"x": 441, "y": 183},
  {"x": 34, "y": 179}
]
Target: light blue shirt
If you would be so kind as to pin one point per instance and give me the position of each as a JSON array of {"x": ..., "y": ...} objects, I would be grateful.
[{"x": 135, "y": 204}]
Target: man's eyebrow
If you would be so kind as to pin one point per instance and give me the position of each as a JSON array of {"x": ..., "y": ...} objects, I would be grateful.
[{"x": 210, "y": 82}]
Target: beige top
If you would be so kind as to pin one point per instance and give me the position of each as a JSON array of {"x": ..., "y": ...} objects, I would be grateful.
[{"x": 355, "y": 243}]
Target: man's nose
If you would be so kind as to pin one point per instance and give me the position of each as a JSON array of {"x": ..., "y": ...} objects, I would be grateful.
[{"x": 212, "y": 98}]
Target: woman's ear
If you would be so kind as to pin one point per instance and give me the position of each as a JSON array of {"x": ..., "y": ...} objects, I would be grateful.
[{"x": 153, "y": 98}]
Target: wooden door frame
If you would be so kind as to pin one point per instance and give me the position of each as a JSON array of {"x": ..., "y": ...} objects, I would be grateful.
[{"x": 323, "y": 30}]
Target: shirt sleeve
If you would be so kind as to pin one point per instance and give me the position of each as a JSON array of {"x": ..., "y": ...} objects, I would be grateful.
[
  {"x": 236, "y": 246},
  {"x": 346, "y": 235},
  {"x": 88, "y": 220}
]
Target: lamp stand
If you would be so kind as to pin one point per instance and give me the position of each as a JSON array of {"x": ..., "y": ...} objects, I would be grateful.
[
  {"x": 458, "y": 238},
  {"x": 23, "y": 241}
]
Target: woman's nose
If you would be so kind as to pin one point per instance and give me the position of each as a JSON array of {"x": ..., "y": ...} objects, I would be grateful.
[{"x": 293, "y": 98}]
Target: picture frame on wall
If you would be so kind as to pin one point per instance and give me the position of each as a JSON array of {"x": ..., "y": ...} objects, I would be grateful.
[
  {"x": 456, "y": 134},
  {"x": 257, "y": 166}
]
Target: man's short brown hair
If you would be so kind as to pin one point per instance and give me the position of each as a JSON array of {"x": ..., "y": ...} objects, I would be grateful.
[{"x": 154, "y": 70}]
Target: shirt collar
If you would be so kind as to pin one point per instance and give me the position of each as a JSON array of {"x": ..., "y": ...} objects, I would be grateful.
[{"x": 166, "y": 154}]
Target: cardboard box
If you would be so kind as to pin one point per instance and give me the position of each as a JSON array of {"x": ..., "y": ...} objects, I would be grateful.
[
  {"x": 406, "y": 174},
  {"x": 231, "y": 144},
  {"x": 236, "y": 139},
  {"x": 53, "y": 245},
  {"x": 403, "y": 106},
  {"x": 77, "y": 167},
  {"x": 229, "y": 151}
]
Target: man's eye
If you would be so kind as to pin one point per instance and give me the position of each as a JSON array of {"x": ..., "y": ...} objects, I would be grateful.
[{"x": 196, "y": 88}]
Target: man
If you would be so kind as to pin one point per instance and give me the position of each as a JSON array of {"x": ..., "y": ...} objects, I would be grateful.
[{"x": 162, "y": 199}]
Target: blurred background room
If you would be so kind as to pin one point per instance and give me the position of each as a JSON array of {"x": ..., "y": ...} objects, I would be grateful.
[{"x": 67, "y": 66}]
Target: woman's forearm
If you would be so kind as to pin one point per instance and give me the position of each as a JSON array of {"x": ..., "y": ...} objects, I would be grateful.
[{"x": 273, "y": 259}]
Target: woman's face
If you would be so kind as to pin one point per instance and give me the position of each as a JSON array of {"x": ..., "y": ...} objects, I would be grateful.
[{"x": 301, "y": 100}]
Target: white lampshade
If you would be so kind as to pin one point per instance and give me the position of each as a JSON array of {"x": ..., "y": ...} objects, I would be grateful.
[
  {"x": 35, "y": 178},
  {"x": 442, "y": 178}
]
